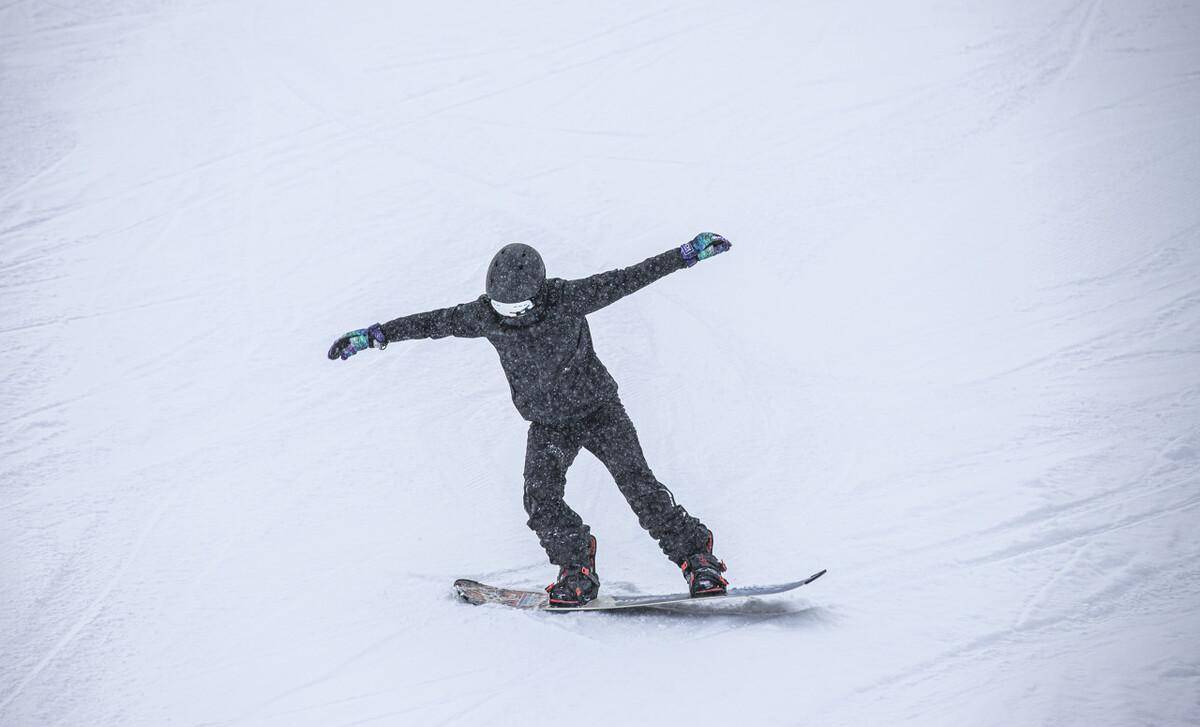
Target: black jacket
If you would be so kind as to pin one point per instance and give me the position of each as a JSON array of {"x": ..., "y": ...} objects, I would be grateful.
[{"x": 547, "y": 353}]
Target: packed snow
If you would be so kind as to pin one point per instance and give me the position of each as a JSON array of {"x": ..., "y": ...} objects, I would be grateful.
[{"x": 953, "y": 357}]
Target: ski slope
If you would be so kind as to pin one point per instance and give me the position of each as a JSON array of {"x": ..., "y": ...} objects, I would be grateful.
[{"x": 953, "y": 357}]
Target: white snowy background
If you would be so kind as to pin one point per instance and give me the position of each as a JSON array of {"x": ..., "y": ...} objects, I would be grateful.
[{"x": 953, "y": 357}]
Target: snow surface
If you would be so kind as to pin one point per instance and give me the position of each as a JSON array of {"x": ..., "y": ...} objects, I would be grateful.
[{"x": 953, "y": 357}]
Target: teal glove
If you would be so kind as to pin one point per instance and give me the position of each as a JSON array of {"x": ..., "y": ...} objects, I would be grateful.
[
  {"x": 355, "y": 341},
  {"x": 702, "y": 247}
]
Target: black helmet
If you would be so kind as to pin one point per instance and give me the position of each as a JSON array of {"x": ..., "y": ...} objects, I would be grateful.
[{"x": 516, "y": 274}]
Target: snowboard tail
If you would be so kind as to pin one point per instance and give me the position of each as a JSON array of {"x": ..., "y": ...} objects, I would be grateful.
[{"x": 477, "y": 593}]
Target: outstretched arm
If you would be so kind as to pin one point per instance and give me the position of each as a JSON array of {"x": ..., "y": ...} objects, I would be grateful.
[
  {"x": 463, "y": 321},
  {"x": 590, "y": 294}
]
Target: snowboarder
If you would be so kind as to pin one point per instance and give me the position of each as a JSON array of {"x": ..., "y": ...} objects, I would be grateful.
[{"x": 539, "y": 328}]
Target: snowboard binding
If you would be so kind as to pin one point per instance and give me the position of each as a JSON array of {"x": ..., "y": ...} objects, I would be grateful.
[
  {"x": 576, "y": 584},
  {"x": 703, "y": 573}
]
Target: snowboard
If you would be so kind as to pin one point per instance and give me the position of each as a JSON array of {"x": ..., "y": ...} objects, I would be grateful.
[{"x": 477, "y": 593}]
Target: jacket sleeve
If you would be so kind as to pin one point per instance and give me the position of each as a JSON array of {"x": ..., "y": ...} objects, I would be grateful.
[
  {"x": 590, "y": 294},
  {"x": 465, "y": 320}
]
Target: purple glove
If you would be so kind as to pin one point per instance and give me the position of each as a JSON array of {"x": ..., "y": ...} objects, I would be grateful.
[{"x": 702, "y": 247}]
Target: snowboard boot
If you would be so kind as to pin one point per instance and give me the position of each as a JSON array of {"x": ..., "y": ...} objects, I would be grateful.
[
  {"x": 576, "y": 584},
  {"x": 703, "y": 573}
]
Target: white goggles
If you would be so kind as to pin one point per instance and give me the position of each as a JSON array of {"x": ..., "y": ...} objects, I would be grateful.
[{"x": 512, "y": 310}]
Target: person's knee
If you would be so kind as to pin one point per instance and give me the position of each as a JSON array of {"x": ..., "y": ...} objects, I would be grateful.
[
  {"x": 544, "y": 474},
  {"x": 544, "y": 504},
  {"x": 638, "y": 485}
]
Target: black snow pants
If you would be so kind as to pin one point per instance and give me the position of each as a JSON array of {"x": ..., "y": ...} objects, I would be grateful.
[{"x": 609, "y": 434}]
